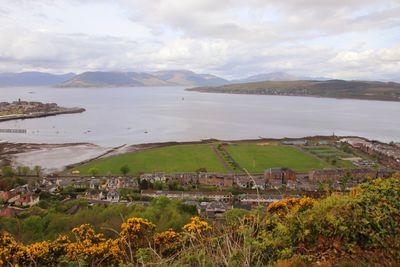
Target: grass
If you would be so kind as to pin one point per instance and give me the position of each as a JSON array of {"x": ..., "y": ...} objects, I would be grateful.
[
  {"x": 329, "y": 153},
  {"x": 256, "y": 158},
  {"x": 178, "y": 158}
]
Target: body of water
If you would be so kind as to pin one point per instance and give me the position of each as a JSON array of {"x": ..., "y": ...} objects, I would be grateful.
[{"x": 136, "y": 115}]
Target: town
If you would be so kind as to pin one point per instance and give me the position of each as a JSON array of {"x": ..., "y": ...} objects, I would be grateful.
[
  {"x": 212, "y": 193},
  {"x": 32, "y": 109}
]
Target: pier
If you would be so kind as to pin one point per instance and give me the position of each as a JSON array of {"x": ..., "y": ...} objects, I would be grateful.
[{"x": 22, "y": 131}]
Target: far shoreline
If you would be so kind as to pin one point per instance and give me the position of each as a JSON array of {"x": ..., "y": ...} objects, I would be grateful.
[{"x": 200, "y": 90}]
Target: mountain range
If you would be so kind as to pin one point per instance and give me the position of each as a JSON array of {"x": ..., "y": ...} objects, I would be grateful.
[
  {"x": 33, "y": 79},
  {"x": 130, "y": 79},
  {"x": 277, "y": 76}
]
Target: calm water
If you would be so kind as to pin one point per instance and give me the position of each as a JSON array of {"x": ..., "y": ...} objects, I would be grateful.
[{"x": 117, "y": 116}]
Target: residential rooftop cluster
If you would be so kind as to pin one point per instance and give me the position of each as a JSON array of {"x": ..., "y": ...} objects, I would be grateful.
[
  {"x": 27, "y": 107},
  {"x": 251, "y": 190},
  {"x": 389, "y": 154}
]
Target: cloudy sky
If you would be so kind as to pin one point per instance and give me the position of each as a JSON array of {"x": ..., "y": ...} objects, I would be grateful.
[{"x": 349, "y": 39}]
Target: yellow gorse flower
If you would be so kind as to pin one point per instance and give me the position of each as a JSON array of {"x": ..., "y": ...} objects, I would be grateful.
[
  {"x": 287, "y": 205},
  {"x": 196, "y": 225},
  {"x": 135, "y": 227}
]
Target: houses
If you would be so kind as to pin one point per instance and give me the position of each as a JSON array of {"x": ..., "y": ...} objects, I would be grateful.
[
  {"x": 257, "y": 199},
  {"x": 94, "y": 194},
  {"x": 276, "y": 177},
  {"x": 9, "y": 211},
  {"x": 190, "y": 195},
  {"x": 295, "y": 142},
  {"x": 389, "y": 154},
  {"x": 113, "y": 196},
  {"x": 191, "y": 178},
  {"x": 27, "y": 200},
  {"x": 250, "y": 182},
  {"x": 337, "y": 174},
  {"x": 215, "y": 179},
  {"x": 214, "y": 209},
  {"x": 22, "y": 196}
]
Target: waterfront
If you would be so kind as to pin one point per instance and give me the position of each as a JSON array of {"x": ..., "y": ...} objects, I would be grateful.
[{"x": 116, "y": 116}]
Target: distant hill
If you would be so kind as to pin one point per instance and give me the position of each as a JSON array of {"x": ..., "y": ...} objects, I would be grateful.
[
  {"x": 105, "y": 79},
  {"x": 276, "y": 76},
  {"x": 331, "y": 88},
  {"x": 189, "y": 78},
  {"x": 159, "y": 78},
  {"x": 33, "y": 79}
]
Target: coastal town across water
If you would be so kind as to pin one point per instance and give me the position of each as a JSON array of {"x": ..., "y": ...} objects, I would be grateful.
[{"x": 32, "y": 109}]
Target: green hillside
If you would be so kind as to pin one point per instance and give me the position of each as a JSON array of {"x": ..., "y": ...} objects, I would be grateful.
[{"x": 331, "y": 88}]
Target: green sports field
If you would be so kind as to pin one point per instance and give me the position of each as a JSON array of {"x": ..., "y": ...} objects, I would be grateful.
[
  {"x": 177, "y": 158},
  {"x": 256, "y": 157}
]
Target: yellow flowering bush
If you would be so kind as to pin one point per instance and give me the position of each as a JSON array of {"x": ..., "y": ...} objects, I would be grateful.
[
  {"x": 290, "y": 205},
  {"x": 135, "y": 229},
  {"x": 167, "y": 242},
  {"x": 9, "y": 249},
  {"x": 58, "y": 247},
  {"x": 93, "y": 248},
  {"x": 197, "y": 226}
]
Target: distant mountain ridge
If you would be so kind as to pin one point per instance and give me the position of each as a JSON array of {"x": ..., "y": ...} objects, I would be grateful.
[
  {"x": 159, "y": 78},
  {"x": 276, "y": 76},
  {"x": 33, "y": 79},
  {"x": 131, "y": 79}
]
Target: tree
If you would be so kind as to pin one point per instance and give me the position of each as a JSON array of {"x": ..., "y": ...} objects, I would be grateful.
[
  {"x": 26, "y": 170},
  {"x": 173, "y": 185},
  {"x": 143, "y": 184},
  {"x": 93, "y": 171},
  {"x": 19, "y": 170},
  {"x": 38, "y": 170},
  {"x": 158, "y": 185},
  {"x": 7, "y": 171},
  {"x": 344, "y": 180},
  {"x": 125, "y": 170}
]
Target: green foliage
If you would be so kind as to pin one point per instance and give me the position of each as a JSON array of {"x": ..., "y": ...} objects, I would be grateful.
[
  {"x": 37, "y": 170},
  {"x": 158, "y": 185},
  {"x": 234, "y": 215},
  {"x": 365, "y": 219},
  {"x": 7, "y": 171},
  {"x": 125, "y": 169},
  {"x": 38, "y": 224},
  {"x": 174, "y": 186},
  {"x": 93, "y": 171}
]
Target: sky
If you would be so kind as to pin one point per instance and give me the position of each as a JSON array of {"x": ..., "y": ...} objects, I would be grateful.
[{"x": 343, "y": 39}]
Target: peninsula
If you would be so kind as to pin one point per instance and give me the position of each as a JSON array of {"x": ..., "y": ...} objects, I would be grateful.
[
  {"x": 26, "y": 110},
  {"x": 368, "y": 90}
]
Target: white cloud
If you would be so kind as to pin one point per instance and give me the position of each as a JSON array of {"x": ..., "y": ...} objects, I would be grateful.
[{"x": 233, "y": 38}]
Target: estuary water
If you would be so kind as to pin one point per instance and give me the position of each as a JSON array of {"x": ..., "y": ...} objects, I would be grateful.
[{"x": 116, "y": 116}]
